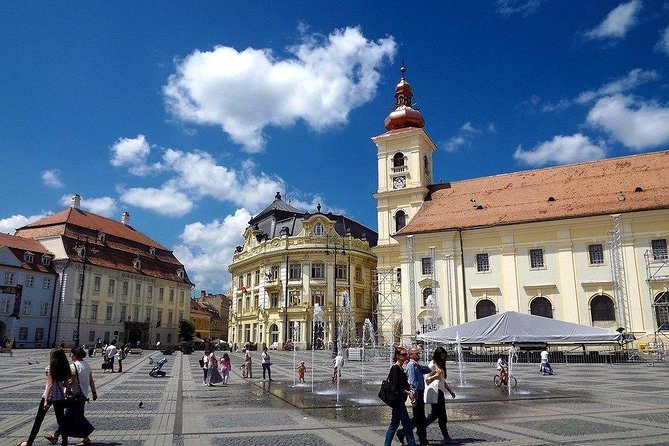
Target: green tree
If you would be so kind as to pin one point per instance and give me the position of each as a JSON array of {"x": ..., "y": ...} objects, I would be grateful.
[{"x": 186, "y": 330}]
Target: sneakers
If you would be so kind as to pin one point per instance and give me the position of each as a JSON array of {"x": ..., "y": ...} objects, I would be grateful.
[
  {"x": 51, "y": 438},
  {"x": 400, "y": 435}
]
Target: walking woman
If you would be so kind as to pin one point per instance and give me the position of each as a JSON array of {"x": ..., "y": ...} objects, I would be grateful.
[
  {"x": 438, "y": 366},
  {"x": 44, "y": 402},
  {"x": 58, "y": 376},
  {"x": 398, "y": 378},
  {"x": 225, "y": 367}
]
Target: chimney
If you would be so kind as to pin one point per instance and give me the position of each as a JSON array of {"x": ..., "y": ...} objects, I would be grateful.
[
  {"x": 203, "y": 293},
  {"x": 125, "y": 218},
  {"x": 75, "y": 201}
]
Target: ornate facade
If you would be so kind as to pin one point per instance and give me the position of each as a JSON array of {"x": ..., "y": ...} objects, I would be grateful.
[
  {"x": 301, "y": 277},
  {"x": 584, "y": 243}
]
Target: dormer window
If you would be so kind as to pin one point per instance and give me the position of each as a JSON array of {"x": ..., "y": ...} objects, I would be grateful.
[
  {"x": 28, "y": 257},
  {"x": 318, "y": 229},
  {"x": 101, "y": 237},
  {"x": 152, "y": 251},
  {"x": 46, "y": 261},
  {"x": 181, "y": 273},
  {"x": 136, "y": 263}
]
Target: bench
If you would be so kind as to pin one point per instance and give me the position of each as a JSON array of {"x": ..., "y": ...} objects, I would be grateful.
[
  {"x": 135, "y": 351},
  {"x": 6, "y": 350}
]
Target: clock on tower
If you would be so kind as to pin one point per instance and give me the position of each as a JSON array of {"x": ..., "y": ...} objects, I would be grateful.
[{"x": 399, "y": 182}]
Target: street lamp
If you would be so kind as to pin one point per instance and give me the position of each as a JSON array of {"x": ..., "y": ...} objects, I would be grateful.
[
  {"x": 82, "y": 252},
  {"x": 335, "y": 250}
]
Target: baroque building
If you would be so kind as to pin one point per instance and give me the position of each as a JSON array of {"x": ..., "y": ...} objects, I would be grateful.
[
  {"x": 114, "y": 282},
  {"x": 220, "y": 303},
  {"x": 301, "y": 277},
  {"x": 584, "y": 243},
  {"x": 27, "y": 291}
]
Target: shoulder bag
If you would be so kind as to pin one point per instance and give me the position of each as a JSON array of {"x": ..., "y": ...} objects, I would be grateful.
[{"x": 388, "y": 393}]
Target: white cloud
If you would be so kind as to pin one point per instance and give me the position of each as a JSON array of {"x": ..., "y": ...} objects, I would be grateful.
[
  {"x": 51, "y": 178},
  {"x": 132, "y": 153},
  {"x": 629, "y": 82},
  {"x": 10, "y": 224},
  {"x": 207, "y": 250},
  {"x": 245, "y": 91},
  {"x": 616, "y": 24},
  {"x": 164, "y": 201},
  {"x": 663, "y": 44},
  {"x": 510, "y": 7},
  {"x": 561, "y": 150},
  {"x": 637, "y": 124},
  {"x": 464, "y": 137},
  {"x": 455, "y": 142},
  {"x": 105, "y": 206}
]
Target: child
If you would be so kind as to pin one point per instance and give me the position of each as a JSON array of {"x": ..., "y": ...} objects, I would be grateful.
[
  {"x": 301, "y": 368},
  {"x": 225, "y": 367},
  {"x": 337, "y": 364}
]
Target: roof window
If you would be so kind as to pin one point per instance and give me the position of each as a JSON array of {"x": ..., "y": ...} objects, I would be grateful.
[
  {"x": 101, "y": 237},
  {"x": 28, "y": 257},
  {"x": 152, "y": 251},
  {"x": 638, "y": 189},
  {"x": 137, "y": 263},
  {"x": 46, "y": 261},
  {"x": 551, "y": 199},
  {"x": 181, "y": 273}
]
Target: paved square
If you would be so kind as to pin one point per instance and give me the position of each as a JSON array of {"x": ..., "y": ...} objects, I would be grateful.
[{"x": 581, "y": 404}]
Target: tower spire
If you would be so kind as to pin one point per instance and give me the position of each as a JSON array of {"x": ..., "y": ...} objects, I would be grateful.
[{"x": 404, "y": 114}]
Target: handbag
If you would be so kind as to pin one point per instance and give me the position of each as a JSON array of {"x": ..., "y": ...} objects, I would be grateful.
[
  {"x": 388, "y": 393},
  {"x": 72, "y": 399},
  {"x": 201, "y": 361},
  {"x": 431, "y": 394}
]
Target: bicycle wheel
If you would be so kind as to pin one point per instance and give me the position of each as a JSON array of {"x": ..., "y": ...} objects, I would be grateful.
[
  {"x": 513, "y": 382},
  {"x": 497, "y": 380}
]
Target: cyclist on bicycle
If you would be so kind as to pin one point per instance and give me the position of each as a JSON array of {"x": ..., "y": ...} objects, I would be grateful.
[{"x": 503, "y": 368}]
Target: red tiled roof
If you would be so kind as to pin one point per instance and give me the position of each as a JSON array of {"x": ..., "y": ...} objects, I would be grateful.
[
  {"x": 121, "y": 246},
  {"x": 55, "y": 224},
  {"x": 577, "y": 190},
  {"x": 20, "y": 245},
  {"x": 26, "y": 244}
]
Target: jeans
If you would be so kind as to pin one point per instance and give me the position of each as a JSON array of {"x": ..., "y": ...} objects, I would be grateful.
[
  {"x": 39, "y": 418},
  {"x": 439, "y": 413},
  {"x": 269, "y": 370},
  {"x": 400, "y": 414},
  {"x": 418, "y": 419},
  {"x": 59, "y": 410}
]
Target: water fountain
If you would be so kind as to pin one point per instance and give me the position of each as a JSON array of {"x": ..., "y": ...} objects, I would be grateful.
[
  {"x": 512, "y": 356},
  {"x": 461, "y": 365},
  {"x": 296, "y": 332},
  {"x": 317, "y": 320}
]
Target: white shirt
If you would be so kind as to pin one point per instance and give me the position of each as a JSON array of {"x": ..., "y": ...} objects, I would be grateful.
[
  {"x": 111, "y": 351},
  {"x": 544, "y": 356},
  {"x": 83, "y": 370},
  {"x": 338, "y": 361}
]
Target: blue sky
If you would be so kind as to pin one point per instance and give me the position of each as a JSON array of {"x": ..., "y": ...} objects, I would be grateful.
[{"x": 191, "y": 115}]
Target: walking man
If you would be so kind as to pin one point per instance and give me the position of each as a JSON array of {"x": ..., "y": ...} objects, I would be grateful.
[{"x": 415, "y": 376}]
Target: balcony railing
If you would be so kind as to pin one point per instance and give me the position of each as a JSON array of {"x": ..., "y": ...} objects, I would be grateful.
[{"x": 399, "y": 169}]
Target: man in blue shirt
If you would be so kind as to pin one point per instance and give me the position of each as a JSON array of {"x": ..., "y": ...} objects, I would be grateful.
[{"x": 415, "y": 375}]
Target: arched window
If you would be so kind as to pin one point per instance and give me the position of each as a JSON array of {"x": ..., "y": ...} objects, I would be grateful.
[
  {"x": 318, "y": 229},
  {"x": 273, "y": 334},
  {"x": 427, "y": 292},
  {"x": 485, "y": 308},
  {"x": 400, "y": 220},
  {"x": 541, "y": 306},
  {"x": 602, "y": 311},
  {"x": 398, "y": 159},
  {"x": 662, "y": 311}
]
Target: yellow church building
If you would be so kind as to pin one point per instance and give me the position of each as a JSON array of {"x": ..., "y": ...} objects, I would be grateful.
[{"x": 584, "y": 243}]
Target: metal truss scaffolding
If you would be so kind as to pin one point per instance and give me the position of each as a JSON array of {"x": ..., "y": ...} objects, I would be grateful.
[
  {"x": 388, "y": 311},
  {"x": 618, "y": 276}
]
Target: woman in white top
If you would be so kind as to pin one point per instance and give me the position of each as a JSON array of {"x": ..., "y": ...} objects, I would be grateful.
[
  {"x": 266, "y": 364},
  {"x": 438, "y": 366}
]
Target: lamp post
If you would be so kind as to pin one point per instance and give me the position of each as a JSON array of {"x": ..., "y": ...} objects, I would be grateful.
[
  {"x": 82, "y": 252},
  {"x": 335, "y": 250}
]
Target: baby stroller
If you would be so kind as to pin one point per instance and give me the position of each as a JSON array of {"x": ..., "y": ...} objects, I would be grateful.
[{"x": 156, "y": 371}]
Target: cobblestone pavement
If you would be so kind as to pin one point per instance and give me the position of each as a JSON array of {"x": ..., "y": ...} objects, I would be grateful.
[{"x": 580, "y": 404}]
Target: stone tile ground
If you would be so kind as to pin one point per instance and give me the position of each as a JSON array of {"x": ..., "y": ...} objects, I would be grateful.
[{"x": 581, "y": 404}]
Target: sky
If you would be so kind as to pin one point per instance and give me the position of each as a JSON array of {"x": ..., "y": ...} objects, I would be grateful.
[{"x": 192, "y": 115}]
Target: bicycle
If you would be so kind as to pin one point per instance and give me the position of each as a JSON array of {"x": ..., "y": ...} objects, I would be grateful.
[{"x": 498, "y": 381}]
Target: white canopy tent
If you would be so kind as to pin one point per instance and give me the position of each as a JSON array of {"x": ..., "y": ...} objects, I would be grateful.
[{"x": 513, "y": 327}]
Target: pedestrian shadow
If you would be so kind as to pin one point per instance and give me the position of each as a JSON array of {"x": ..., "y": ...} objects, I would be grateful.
[{"x": 465, "y": 440}]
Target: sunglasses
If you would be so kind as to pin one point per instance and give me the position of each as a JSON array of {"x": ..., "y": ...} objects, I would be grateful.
[{"x": 404, "y": 354}]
